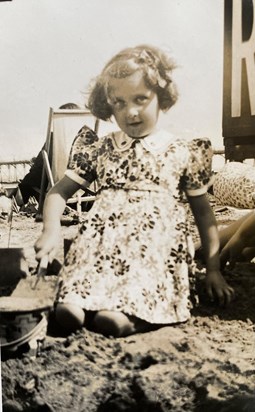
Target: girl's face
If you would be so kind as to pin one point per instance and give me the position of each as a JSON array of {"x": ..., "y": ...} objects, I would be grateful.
[{"x": 135, "y": 106}]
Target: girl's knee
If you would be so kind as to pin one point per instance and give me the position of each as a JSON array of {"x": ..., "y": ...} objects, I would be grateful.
[
  {"x": 112, "y": 323},
  {"x": 69, "y": 316}
]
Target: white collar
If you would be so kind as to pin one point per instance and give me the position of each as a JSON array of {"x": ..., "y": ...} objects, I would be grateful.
[{"x": 156, "y": 142}]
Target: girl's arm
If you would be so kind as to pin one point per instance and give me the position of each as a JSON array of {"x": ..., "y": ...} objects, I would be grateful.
[
  {"x": 242, "y": 237},
  {"x": 53, "y": 209},
  {"x": 207, "y": 227}
]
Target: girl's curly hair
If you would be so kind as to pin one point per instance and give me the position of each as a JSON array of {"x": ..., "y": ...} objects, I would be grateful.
[{"x": 157, "y": 67}]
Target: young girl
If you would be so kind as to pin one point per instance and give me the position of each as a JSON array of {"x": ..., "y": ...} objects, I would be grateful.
[{"x": 128, "y": 268}]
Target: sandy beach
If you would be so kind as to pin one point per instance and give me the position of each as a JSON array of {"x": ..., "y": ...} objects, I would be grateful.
[{"x": 206, "y": 364}]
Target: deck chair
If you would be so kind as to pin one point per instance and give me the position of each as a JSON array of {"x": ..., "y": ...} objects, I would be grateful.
[{"x": 63, "y": 126}]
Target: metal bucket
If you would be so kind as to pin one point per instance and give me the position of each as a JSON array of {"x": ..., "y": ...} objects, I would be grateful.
[{"x": 25, "y": 301}]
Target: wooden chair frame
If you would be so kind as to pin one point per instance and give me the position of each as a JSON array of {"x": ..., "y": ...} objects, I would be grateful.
[{"x": 47, "y": 180}]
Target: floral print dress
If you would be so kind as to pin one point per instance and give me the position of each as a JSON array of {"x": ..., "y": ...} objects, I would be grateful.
[{"x": 134, "y": 251}]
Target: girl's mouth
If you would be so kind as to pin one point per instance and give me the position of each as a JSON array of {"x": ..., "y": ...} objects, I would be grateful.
[{"x": 134, "y": 124}]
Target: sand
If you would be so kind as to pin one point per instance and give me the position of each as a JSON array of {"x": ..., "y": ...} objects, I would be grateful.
[{"x": 206, "y": 364}]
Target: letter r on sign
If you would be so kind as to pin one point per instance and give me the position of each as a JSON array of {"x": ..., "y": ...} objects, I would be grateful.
[{"x": 242, "y": 50}]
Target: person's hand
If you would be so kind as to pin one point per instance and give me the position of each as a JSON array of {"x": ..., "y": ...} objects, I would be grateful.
[
  {"x": 217, "y": 287},
  {"x": 232, "y": 252},
  {"x": 47, "y": 245}
]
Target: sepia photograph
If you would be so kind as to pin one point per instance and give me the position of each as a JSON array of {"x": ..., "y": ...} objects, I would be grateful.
[{"x": 127, "y": 206}]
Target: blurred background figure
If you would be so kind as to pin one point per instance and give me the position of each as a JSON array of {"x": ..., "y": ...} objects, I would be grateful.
[{"x": 30, "y": 186}]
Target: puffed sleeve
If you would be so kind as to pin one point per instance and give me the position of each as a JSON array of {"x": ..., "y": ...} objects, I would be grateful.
[
  {"x": 198, "y": 173},
  {"x": 81, "y": 165}
]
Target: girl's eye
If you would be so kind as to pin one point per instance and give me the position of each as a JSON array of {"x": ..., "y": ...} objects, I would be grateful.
[
  {"x": 141, "y": 99},
  {"x": 118, "y": 104}
]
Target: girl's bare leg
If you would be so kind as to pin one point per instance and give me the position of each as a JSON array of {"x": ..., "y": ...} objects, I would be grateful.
[
  {"x": 118, "y": 324},
  {"x": 70, "y": 317},
  {"x": 110, "y": 323}
]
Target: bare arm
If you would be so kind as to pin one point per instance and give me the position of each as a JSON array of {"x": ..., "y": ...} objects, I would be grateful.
[
  {"x": 207, "y": 227},
  {"x": 53, "y": 209},
  {"x": 241, "y": 236}
]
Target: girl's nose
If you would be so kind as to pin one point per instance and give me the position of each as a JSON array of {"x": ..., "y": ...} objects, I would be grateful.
[{"x": 132, "y": 112}]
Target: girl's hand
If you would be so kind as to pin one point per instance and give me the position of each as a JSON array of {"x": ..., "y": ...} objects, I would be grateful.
[
  {"x": 217, "y": 286},
  {"x": 53, "y": 208},
  {"x": 47, "y": 245}
]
